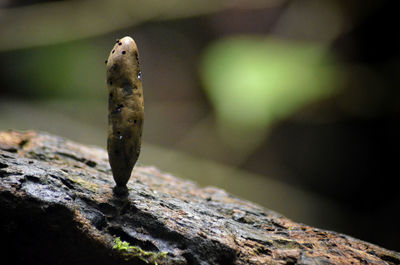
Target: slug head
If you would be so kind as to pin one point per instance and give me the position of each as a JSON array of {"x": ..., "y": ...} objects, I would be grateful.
[{"x": 123, "y": 61}]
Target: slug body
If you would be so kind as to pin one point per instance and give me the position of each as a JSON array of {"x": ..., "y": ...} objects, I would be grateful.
[{"x": 125, "y": 110}]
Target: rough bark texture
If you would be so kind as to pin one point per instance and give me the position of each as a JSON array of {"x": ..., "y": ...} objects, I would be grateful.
[{"x": 57, "y": 207}]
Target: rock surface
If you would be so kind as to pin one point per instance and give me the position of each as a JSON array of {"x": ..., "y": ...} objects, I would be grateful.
[{"x": 57, "y": 207}]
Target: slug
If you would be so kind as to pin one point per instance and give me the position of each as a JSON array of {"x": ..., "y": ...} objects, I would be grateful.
[{"x": 125, "y": 111}]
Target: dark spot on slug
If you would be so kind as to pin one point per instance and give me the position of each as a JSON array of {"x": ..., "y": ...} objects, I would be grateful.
[
  {"x": 137, "y": 57},
  {"x": 105, "y": 61},
  {"x": 127, "y": 86},
  {"x": 113, "y": 51},
  {"x": 123, "y": 52},
  {"x": 116, "y": 40},
  {"x": 117, "y": 109},
  {"x": 114, "y": 67},
  {"x": 119, "y": 43},
  {"x": 110, "y": 82}
]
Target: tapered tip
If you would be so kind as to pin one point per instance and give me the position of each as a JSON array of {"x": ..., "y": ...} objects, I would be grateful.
[{"x": 121, "y": 191}]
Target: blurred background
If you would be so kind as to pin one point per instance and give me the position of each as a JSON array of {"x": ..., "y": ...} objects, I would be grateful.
[{"x": 291, "y": 104}]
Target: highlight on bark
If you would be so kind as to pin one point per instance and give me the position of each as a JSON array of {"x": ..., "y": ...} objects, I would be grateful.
[{"x": 125, "y": 111}]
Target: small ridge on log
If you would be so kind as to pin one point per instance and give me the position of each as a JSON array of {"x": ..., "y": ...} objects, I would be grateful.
[{"x": 57, "y": 207}]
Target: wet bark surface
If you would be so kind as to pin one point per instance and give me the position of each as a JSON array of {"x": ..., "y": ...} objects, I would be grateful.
[{"x": 57, "y": 207}]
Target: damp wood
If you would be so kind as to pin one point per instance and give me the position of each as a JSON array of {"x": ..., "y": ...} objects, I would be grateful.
[{"x": 57, "y": 207}]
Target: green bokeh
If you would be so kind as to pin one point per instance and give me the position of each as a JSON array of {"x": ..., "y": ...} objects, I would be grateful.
[
  {"x": 70, "y": 71},
  {"x": 254, "y": 81}
]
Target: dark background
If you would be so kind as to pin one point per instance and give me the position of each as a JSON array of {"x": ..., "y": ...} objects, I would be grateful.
[{"x": 290, "y": 104}]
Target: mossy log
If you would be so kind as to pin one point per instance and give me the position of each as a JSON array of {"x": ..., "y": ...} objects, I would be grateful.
[{"x": 57, "y": 207}]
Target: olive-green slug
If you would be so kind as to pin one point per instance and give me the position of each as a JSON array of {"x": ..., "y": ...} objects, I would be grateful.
[{"x": 125, "y": 111}]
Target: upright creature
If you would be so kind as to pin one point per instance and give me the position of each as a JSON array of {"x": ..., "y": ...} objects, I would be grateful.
[{"x": 125, "y": 111}]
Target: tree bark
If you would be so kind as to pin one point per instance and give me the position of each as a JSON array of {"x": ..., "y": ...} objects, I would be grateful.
[{"x": 57, "y": 207}]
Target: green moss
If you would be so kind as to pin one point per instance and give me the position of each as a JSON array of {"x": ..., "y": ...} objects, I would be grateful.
[
  {"x": 129, "y": 252},
  {"x": 86, "y": 184}
]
